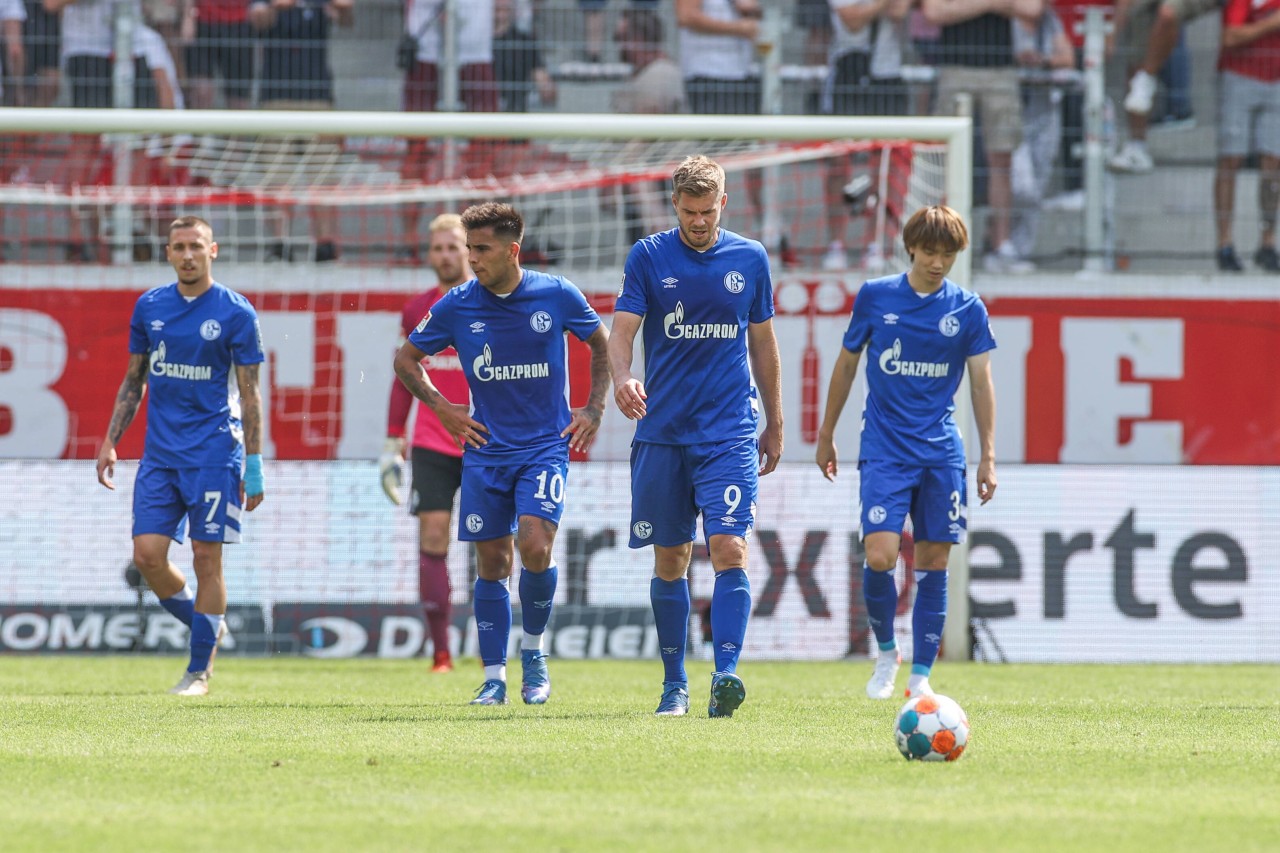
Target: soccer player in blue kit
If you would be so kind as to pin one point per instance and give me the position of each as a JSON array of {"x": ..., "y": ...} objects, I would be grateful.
[
  {"x": 508, "y": 326},
  {"x": 704, "y": 298},
  {"x": 186, "y": 340},
  {"x": 920, "y": 331}
]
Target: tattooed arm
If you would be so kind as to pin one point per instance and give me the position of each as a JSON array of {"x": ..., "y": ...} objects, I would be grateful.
[
  {"x": 128, "y": 399},
  {"x": 253, "y": 490}
]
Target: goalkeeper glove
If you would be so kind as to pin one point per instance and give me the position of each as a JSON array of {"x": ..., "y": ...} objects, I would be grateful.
[{"x": 389, "y": 468}]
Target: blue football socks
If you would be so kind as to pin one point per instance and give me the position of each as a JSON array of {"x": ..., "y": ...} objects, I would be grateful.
[
  {"x": 927, "y": 618},
  {"x": 537, "y": 592},
  {"x": 730, "y": 610},
  {"x": 881, "y": 596},
  {"x": 204, "y": 635},
  {"x": 493, "y": 621},
  {"x": 182, "y": 604},
  {"x": 671, "y": 606}
]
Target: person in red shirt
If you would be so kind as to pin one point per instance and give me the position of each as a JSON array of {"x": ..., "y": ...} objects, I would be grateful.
[
  {"x": 1248, "y": 100},
  {"x": 436, "y": 458}
]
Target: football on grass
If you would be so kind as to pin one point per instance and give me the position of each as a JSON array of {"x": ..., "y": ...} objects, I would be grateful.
[{"x": 931, "y": 728}]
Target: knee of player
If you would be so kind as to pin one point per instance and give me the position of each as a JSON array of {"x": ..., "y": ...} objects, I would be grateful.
[
  {"x": 728, "y": 552},
  {"x": 881, "y": 560}
]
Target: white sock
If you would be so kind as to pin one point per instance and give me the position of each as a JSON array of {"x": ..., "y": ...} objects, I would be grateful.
[
  {"x": 531, "y": 642},
  {"x": 915, "y": 681},
  {"x": 497, "y": 672}
]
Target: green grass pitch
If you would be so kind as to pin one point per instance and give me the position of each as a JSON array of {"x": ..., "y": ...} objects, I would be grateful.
[{"x": 295, "y": 754}]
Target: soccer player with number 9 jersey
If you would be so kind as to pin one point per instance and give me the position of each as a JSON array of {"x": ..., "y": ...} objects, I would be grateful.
[
  {"x": 920, "y": 332},
  {"x": 703, "y": 297}
]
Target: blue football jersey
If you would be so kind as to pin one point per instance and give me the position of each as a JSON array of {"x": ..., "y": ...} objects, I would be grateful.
[
  {"x": 515, "y": 358},
  {"x": 696, "y": 308},
  {"x": 193, "y": 406},
  {"x": 916, "y": 348}
]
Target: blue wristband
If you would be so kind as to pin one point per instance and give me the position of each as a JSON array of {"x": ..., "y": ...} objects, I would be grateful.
[{"x": 253, "y": 483}]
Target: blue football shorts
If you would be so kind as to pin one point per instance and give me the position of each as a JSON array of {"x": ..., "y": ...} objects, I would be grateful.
[
  {"x": 936, "y": 499},
  {"x": 494, "y": 498},
  {"x": 165, "y": 500},
  {"x": 672, "y": 484}
]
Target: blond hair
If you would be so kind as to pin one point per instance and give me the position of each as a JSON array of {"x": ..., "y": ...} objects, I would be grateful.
[
  {"x": 445, "y": 222},
  {"x": 698, "y": 176}
]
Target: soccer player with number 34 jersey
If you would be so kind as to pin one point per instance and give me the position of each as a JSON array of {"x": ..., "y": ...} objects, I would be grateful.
[
  {"x": 704, "y": 299},
  {"x": 508, "y": 327},
  {"x": 197, "y": 344},
  {"x": 920, "y": 332}
]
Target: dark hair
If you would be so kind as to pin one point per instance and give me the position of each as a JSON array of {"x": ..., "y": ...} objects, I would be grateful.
[
  {"x": 936, "y": 228},
  {"x": 505, "y": 221},
  {"x": 643, "y": 26},
  {"x": 190, "y": 222}
]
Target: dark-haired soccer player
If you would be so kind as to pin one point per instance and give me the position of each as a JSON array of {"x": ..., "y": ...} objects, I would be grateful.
[
  {"x": 704, "y": 298},
  {"x": 920, "y": 331},
  {"x": 186, "y": 339},
  {"x": 508, "y": 326}
]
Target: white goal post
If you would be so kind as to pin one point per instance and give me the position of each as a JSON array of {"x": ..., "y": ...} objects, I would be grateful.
[{"x": 604, "y": 156}]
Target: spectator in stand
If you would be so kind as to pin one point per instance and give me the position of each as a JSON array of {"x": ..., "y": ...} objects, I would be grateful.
[
  {"x": 1249, "y": 98},
  {"x": 41, "y": 42},
  {"x": 864, "y": 78},
  {"x": 1040, "y": 44},
  {"x": 296, "y": 76},
  {"x": 813, "y": 18},
  {"x": 721, "y": 75},
  {"x": 477, "y": 87},
  {"x": 593, "y": 24},
  {"x": 13, "y": 62},
  {"x": 1145, "y": 34},
  {"x": 219, "y": 42},
  {"x": 656, "y": 87},
  {"x": 975, "y": 57},
  {"x": 517, "y": 63},
  {"x": 87, "y": 47}
]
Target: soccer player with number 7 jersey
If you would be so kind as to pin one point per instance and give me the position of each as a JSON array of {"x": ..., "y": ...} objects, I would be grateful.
[
  {"x": 508, "y": 326},
  {"x": 186, "y": 340},
  {"x": 920, "y": 332}
]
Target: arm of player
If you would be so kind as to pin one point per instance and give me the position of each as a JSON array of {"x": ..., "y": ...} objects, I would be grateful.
[
  {"x": 128, "y": 399},
  {"x": 586, "y": 421},
  {"x": 982, "y": 391},
  {"x": 842, "y": 374},
  {"x": 628, "y": 392},
  {"x": 253, "y": 487},
  {"x": 766, "y": 367},
  {"x": 456, "y": 419}
]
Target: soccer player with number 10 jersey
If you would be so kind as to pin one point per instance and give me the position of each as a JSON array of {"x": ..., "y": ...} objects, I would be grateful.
[{"x": 508, "y": 327}]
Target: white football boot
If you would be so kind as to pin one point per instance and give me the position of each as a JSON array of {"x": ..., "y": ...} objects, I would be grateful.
[{"x": 881, "y": 684}]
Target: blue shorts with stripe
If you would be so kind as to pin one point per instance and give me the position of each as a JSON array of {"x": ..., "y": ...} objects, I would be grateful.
[
  {"x": 935, "y": 498},
  {"x": 165, "y": 500},
  {"x": 672, "y": 484},
  {"x": 494, "y": 497}
]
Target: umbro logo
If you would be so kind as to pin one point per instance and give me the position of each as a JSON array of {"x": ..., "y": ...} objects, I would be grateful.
[
  {"x": 670, "y": 281},
  {"x": 728, "y": 647},
  {"x": 542, "y": 605},
  {"x": 669, "y": 650},
  {"x": 477, "y": 326},
  {"x": 891, "y": 319},
  {"x": 485, "y": 626},
  {"x": 157, "y": 325}
]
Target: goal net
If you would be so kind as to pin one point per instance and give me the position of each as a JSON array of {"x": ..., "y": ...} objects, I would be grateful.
[{"x": 84, "y": 204}]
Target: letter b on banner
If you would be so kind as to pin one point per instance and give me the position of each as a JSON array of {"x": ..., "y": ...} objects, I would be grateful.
[{"x": 33, "y": 354}]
